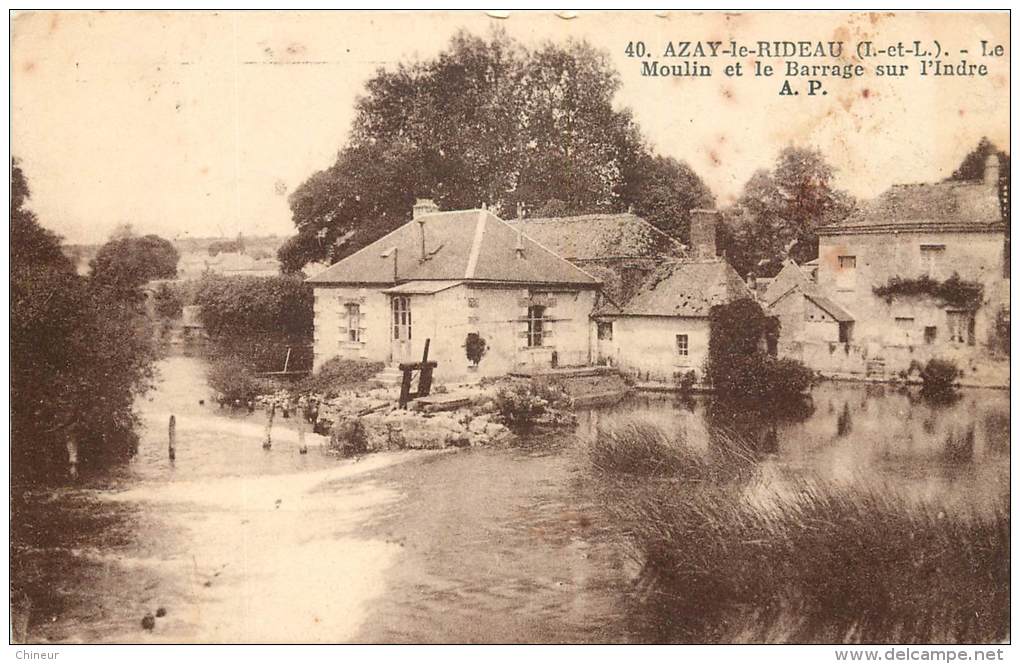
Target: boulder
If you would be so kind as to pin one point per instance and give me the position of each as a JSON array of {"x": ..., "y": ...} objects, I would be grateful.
[{"x": 479, "y": 423}]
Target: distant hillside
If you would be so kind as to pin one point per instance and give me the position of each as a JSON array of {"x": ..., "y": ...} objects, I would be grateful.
[{"x": 195, "y": 250}]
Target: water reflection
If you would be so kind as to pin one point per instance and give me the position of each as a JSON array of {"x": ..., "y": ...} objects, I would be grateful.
[
  {"x": 498, "y": 544},
  {"x": 956, "y": 451}
]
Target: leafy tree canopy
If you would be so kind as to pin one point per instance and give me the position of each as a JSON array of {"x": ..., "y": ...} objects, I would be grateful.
[
  {"x": 782, "y": 210},
  {"x": 79, "y": 357},
  {"x": 487, "y": 122},
  {"x": 973, "y": 165},
  {"x": 125, "y": 263}
]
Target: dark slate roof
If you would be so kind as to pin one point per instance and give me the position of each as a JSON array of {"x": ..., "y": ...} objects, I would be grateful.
[
  {"x": 942, "y": 206},
  {"x": 594, "y": 236},
  {"x": 686, "y": 289},
  {"x": 469, "y": 245}
]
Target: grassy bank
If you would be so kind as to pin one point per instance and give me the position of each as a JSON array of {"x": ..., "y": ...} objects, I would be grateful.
[{"x": 726, "y": 559}]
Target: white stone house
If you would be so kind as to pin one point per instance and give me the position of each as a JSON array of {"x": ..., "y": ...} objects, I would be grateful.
[
  {"x": 931, "y": 230},
  {"x": 661, "y": 332},
  {"x": 444, "y": 276}
]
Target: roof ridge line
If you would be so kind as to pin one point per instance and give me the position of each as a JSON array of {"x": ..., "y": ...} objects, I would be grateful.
[
  {"x": 546, "y": 249},
  {"x": 476, "y": 246}
]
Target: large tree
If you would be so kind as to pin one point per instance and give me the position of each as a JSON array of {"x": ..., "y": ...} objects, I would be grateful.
[
  {"x": 973, "y": 165},
  {"x": 487, "y": 122},
  {"x": 783, "y": 209},
  {"x": 79, "y": 356},
  {"x": 665, "y": 191},
  {"x": 125, "y": 263}
]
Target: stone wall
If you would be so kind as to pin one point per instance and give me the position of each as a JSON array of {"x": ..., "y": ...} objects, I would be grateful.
[
  {"x": 331, "y": 336},
  {"x": 497, "y": 314},
  {"x": 645, "y": 347},
  {"x": 974, "y": 256}
]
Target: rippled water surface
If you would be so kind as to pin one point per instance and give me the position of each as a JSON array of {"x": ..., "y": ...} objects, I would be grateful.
[{"x": 239, "y": 544}]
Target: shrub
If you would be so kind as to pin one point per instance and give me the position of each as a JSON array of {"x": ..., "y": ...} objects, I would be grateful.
[
  {"x": 339, "y": 374},
  {"x": 761, "y": 377},
  {"x": 739, "y": 367},
  {"x": 939, "y": 377},
  {"x": 474, "y": 347},
  {"x": 787, "y": 377},
  {"x": 256, "y": 320},
  {"x": 234, "y": 379},
  {"x": 240, "y": 307},
  {"x": 687, "y": 381},
  {"x": 168, "y": 302},
  {"x": 522, "y": 403},
  {"x": 349, "y": 437}
]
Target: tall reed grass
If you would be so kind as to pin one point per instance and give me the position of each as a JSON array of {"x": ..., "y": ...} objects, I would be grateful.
[{"x": 725, "y": 559}]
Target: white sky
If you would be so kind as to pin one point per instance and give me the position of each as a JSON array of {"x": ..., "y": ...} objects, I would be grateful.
[{"x": 200, "y": 124}]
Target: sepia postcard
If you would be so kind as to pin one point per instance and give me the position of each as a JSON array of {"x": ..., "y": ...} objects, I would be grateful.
[{"x": 511, "y": 327}]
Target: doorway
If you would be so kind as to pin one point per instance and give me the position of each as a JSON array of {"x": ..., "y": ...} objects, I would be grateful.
[{"x": 400, "y": 344}]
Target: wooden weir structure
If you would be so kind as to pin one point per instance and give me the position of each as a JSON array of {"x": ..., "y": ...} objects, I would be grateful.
[{"x": 424, "y": 369}]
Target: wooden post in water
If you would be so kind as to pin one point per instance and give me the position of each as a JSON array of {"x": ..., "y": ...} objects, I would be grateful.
[
  {"x": 72, "y": 457},
  {"x": 301, "y": 408},
  {"x": 268, "y": 442},
  {"x": 172, "y": 445}
]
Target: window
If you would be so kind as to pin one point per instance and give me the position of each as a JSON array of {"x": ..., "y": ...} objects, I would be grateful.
[
  {"x": 353, "y": 321},
  {"x": 931, "y": 258},
  {"x": 905, "y": 326},
  {"x": 846, "y": 329},
  {"x": 605, "y": 330},
  {"x": 930, "y": 334},
  {"x": 536, "y": 325},
  {"x": 961, "y": 326},
  {"x": 681, "y": 345},
  {"x": 846, "y": 274},
  {"x": 402, "y": 318}
]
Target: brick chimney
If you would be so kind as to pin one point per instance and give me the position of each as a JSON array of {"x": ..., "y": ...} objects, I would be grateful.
[
  {"x": 992, "y": 169},
  {"x": 423, "y": 206},
  {"x": 703, "y": 233}
]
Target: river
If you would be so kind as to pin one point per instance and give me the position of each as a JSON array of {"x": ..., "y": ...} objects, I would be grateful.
[{"x": 497, "y": 545}]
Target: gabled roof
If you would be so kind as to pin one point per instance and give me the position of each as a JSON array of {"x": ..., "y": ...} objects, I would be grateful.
[
  {"x": 595, "y": 236},
  {"x": 939, "y": 207},
  {"x": 467, "y": 245},
  {"x": 686, "y": 289},
  {"x": 830, "y": 307},
  {"x": 790, "y": 277}
]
